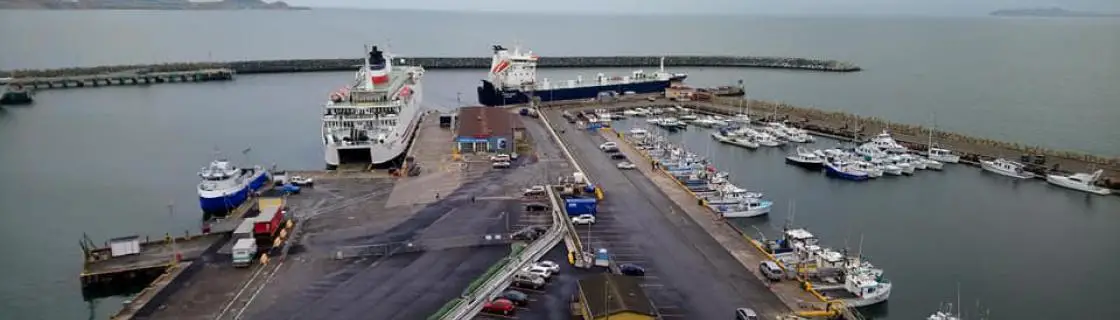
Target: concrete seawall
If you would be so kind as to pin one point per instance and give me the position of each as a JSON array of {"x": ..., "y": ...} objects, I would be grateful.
[{"x": 314, "y": 65}]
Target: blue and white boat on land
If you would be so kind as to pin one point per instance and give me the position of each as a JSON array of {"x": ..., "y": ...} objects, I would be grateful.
[
  {"x": 844, "y": 170},
  {"x": 225, "y": 186}
]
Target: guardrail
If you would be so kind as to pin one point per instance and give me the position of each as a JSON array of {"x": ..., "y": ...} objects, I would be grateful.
[
  {"x": 472, "y": 304},
  {"x": 563, "y": 147}
]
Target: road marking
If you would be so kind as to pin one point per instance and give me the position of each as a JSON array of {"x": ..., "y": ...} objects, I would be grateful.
[{"x": 647, "y": 285}]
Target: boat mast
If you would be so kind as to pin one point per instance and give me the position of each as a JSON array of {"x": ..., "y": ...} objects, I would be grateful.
[
  {"x": 859, "y": 253},
  {"x": 958, "y": 300},
  {"x": 933, "y": 125}
]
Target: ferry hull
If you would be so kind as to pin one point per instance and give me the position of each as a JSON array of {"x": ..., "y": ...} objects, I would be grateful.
[
  {"x": 489, "y": 95},
  {"x": 381, "y": 155},
  {"x": 220, "y": 206}
]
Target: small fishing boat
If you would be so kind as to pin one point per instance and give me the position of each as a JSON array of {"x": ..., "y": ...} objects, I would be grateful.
[
  {"x": 871, "y": 170},
  {"x": 749, "y": 207},
  {"x": 805, "y": 159},
  {"x": 1007, "y": 168},
  {"x": 844, "y": 170}
]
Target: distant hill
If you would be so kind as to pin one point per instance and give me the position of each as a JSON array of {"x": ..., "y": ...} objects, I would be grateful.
[
  {"x": 144, "y": 5},
  {"x": 1050, "y": 12}
]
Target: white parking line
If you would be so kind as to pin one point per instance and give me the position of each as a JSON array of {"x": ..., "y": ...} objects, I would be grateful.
[{"x": 647, "y": 285}]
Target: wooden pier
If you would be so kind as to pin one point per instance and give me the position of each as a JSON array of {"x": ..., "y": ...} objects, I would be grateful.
[{"x": 133, "y": 77}]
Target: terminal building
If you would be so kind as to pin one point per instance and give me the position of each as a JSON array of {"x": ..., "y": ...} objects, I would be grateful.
[
  {"x": 487, "y": 129},
  {"x": 614, "y": 297}
]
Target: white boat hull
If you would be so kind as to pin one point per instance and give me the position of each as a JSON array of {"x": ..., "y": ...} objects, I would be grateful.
[
  {"x": 743, "y": 143},
  {"x": 945, "y": 158},
  {"x": 892, "y": 170},
  {"x": 989, "y": 166},
  {"x": 394, "y": 146},
  {"x": 869, "y": 301},
  {"x": 1065, "y": 182},
  {"x": 934, "y": 164}
]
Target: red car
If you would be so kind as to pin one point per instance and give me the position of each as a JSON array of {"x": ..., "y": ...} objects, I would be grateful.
[{"x": 499, "y": 306}]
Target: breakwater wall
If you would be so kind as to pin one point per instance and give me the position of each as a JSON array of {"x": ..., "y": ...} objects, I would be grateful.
[{"x": 314, "y": 65}]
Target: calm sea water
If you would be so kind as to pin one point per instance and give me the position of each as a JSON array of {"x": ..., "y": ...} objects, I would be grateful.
[{"x": 107, "y": 162}]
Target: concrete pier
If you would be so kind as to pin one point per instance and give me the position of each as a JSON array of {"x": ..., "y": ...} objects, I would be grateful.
[
  {"x": 313, "y": 65},
  {"x": 55, "y": 80}
]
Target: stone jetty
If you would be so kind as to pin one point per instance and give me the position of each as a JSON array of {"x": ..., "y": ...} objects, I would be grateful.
[{"x": 313, "y": 65}]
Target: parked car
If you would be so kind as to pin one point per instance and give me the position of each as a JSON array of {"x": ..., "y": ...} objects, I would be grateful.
[
  {"x": 501, "y": 164},
  {"x": 583, "y": 219},
  {"x": 538, "y": 271},
  {"x": 501, "y": 157},
  {"x": 745, "y": 314},
  {"x": 771, "y": 270},
  {"x": 535, "y": 191},
  {"x": 618, "y": 156},
  {"x": 536, "y": 206},
  {"x": 551, "y": 266},
  {"x": 652, "y": 99},
  {"x": 499, "y": 306},
  {"x": 631, "y": 269},
  {"x": 519, "y": 298},
  {"x": 528, "y": 282},
  {"x": 303, "y": 181},
  {"x": 609, "y": 146},
  {"x": 626, "y": 165}
]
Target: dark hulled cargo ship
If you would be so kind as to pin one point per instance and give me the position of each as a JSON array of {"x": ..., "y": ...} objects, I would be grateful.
[{"x": 513, "y": 80}]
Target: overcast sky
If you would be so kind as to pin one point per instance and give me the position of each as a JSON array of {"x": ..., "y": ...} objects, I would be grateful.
[{"x": 920, "y": 7}]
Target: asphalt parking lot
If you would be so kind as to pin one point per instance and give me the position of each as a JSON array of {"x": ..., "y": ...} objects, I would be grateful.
[{"x": 688, "y": 274}]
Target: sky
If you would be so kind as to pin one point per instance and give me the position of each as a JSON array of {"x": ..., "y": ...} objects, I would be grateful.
[{"x": 765, "y": 7}]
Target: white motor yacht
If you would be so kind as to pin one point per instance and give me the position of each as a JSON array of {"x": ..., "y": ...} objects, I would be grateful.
[
  {"x": 745, "y": 142},
  {"x": 871, "y": 170},
  {"x": 776, "y": 129},
  {"x": 805, "y": 158},
  {"x": 766, "y": 139},
  {"x": 631, "y": 113},
  {"x": 1006, "y": 167},
  {"x": 887, "y": 167},
  {"x": 1080, "y": 181},
  {"x": 943, "y": 155},
  {"x": 931, "y": 164},
  {"x": 914, "y": 161},
  {"x": 885, "y": 142},
  {"x": 870, "y": 150},
  {"x": 903, "y": 164}
]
